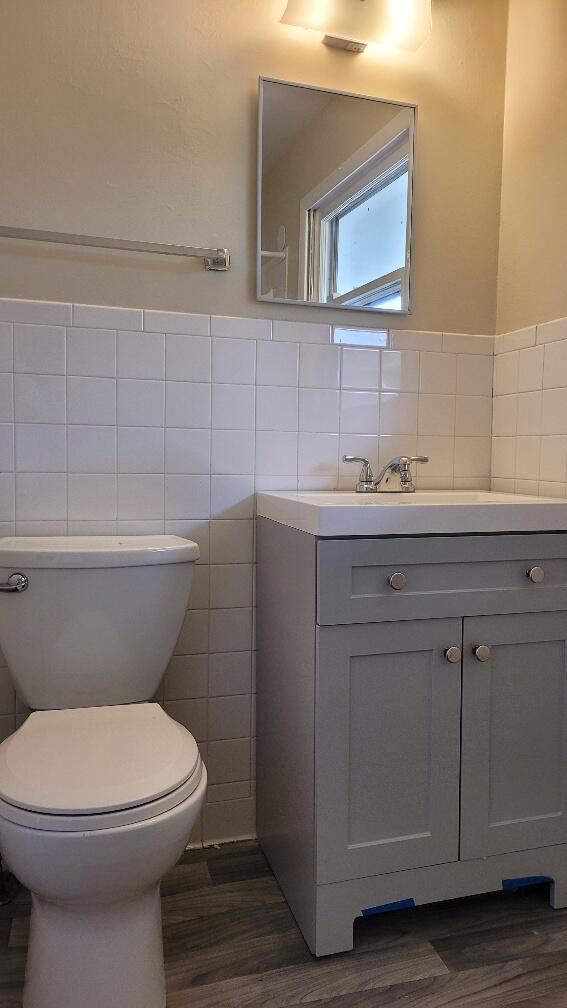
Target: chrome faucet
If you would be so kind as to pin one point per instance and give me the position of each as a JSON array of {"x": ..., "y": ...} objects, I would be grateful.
[{"x": 401, "y": 465}]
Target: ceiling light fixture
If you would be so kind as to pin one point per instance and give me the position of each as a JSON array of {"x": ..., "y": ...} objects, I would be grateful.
[{"x": 352, "y": 24}]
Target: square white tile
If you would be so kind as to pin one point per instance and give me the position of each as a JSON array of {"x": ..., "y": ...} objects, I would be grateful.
[
  {"x": 555, "y": 364},
  {"x": 232, "y": 496},
  {"x": 140, "y": 449},
  {"x": 530, "y": 368},
  {"x": 187, "y": 496},
  {"x": 473, "y": 416},
  {"x": 187, "y": 358},
  {"x": 438, "y": 373},
  {"x": 91, "y": 401},
  {"x": 398, "y": 413},
  {"x": 234, "y": 361},
  {"x": 437, "y": 414},
  {"x": 6, "y": 447},
  {"x": 529, "y": 412},
  {"x": 187, "y": 451},
  {"x": 41, "y": 497},
  {"x": 276, "y": 453},
  {"x": 41, "y": 448},
  {"x": 141, "y": 354},
  {"x": 318, "y": 454},
  {"x": 187, "y": 404},
  {"x": 39, "y": 398},
  {"x": 228, "y": 717},
  {"x": 400, "y": 370},
  {"x": 360, "y": 368},
  {"x": 360, "y": 412},
  {"x": 6, "y": 347},
  {"x": 233, "y": 407},
  {"x": 39, "y": 349},
  {"x": 278, "y": 363},
  {"x": 6, "y": 397},
  {"x": 91, "y": 497},
  {"x": 230, "y": 630},
  {"x": 231, "y": 585},
  {"x": 319, "y": 366},
  {"x": 140, "y": 497},
  {"x": 232, "y": 542},
  {"x": 276, "y": 407},
  {"x": 91, "y": 449},
  {"x": 7, "y": 505},
  {"x": 230, "y": 673},
  {"x": 319, "y": 410},
  {"x": 91, "y": 352},
  {"x": 232, "y": 452},
  {"x": 141, "y": 403}
]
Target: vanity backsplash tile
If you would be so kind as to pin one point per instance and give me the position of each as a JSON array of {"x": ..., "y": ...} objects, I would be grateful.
[{"x": 529, "y": 447}]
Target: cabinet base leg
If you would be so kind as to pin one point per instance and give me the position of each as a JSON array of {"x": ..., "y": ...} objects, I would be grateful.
[
  {"x": 334, "y": 935},
  {"x": 558, "y": 894}
]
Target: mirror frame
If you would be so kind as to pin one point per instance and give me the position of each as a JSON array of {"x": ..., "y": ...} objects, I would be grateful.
[{"x": 411, "y": 175}]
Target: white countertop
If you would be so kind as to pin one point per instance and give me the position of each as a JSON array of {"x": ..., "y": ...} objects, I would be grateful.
[{"x": 433, "y": 512}]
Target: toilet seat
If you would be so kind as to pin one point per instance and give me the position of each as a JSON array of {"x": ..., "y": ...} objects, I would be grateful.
[{"x": 96, "y": 768}]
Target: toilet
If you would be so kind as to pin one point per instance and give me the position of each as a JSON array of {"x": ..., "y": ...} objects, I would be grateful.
[{"x": 99, "y": 788}]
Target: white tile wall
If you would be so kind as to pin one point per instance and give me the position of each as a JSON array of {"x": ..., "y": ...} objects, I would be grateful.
[
  {"x": 529, "y": 448},
  {"x": 121, "y": 420}
]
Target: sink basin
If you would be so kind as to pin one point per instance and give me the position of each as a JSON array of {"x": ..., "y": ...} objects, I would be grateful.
[{"x": 426, "y": 512}]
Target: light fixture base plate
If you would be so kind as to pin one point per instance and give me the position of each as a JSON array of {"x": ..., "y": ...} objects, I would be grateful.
[{"x": 347, "y": 45}]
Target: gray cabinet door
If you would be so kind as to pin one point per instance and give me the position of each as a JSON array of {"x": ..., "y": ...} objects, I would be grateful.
[
  {"x": 387, "y": 747},
  {"x": 514, "y": 741}
]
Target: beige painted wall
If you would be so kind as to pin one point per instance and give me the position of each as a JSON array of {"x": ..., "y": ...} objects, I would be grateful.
[
  {"x": 137, "y": 119},
  {"x": 533, "y": 242}
]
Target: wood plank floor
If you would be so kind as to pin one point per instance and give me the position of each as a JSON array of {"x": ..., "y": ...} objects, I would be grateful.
[{"x": 231, "y": 942}]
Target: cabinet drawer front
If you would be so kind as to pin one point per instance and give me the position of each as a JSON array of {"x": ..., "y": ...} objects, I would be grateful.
[
  {"x": 370, "y": 580},
  {"x": 387, "y": 748}
]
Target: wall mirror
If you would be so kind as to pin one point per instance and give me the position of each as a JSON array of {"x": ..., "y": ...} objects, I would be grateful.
[{"x": 335, "y": 175}]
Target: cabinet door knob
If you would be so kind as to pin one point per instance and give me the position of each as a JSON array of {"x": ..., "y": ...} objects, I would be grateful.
[
  {"x": 536, "y": 574},
  {"x": 482, "y": 652},
  {"x": 453, "y": 654},
  {"x": 397, "y": 581}
]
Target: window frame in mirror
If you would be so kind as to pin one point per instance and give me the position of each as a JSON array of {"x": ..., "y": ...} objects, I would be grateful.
[{"x": 400, "y": 280}]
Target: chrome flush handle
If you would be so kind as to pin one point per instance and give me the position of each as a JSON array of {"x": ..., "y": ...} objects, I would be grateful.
[{"x": 15, "y": 583}]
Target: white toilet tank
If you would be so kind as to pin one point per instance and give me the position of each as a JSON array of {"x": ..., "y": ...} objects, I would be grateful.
[{"x": 99, "y": 618}]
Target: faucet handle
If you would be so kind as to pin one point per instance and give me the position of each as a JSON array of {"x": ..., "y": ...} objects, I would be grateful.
[
  {"x": 404, "y": 469},
  {"x": 366, "y": 483}
]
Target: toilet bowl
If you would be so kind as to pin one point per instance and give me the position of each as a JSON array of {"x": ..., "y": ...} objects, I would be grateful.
[
  {"x": 92, "y": 847},
  {"x": 99, "y": 788}
]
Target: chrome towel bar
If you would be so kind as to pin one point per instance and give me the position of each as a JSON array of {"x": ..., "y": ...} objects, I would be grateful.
[{"x": 213, "y": 258}]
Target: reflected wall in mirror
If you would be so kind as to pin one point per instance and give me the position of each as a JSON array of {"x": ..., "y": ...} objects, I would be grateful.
[{"x": 335, "y": 175}]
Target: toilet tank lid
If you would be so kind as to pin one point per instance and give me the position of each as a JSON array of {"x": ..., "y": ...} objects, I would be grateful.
[
  {"x": 52, "y": 552},
  {"x": 95, "y": 759}
]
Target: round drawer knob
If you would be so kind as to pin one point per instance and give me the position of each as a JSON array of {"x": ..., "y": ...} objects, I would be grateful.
[
  {"x": 536, "y": 574},
  {"x": 453, "y": 654},
  {"x": 397, "y": 581},
  {"x": 482, "y": 652}
]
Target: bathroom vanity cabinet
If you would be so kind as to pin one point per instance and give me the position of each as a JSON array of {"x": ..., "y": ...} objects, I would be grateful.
[{"x": 412, "y": 720}]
